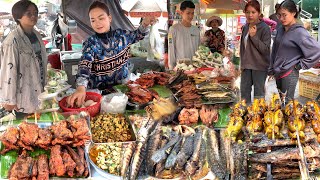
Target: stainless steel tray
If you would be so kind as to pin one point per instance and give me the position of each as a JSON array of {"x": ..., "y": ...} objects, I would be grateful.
[{"x": 132, "y": 130}]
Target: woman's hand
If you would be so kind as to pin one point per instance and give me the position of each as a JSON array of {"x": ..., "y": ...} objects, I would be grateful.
[
  {"x": 252, "y": 30},
  {"x": 78, "y": 97},
  {"x": 148, "y": 21}
]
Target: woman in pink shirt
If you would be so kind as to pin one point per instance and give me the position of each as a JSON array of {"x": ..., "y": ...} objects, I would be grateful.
[{"x": 271, "y": 23}]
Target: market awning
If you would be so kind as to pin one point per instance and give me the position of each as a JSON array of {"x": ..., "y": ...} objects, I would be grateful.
[
  {"x": 143, "y": 8},
  {"x": 79, "y": 12},
  {"x": 226, "y": 4}
]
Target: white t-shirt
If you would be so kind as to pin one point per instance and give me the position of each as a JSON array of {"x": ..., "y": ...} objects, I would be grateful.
[{"x": 183, "y": 43}]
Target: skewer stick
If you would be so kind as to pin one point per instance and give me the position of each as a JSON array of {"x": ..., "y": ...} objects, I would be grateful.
[
  {"x": 302, "y": 163},
  {"x": 35, "y": 117}
]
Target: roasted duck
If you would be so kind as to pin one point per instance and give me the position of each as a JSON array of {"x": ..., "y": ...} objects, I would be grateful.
[
  {"x": 275, "y": 102},
  {"x": 272, "y": 123},
  {"x": 313, "y": 115},
  {"x": 294, "y": 122},
  {"x": 255, "y": 124},
  {"x": 289, "y": 109},
  {"x": 234, "y": 127},
  {"x": 240, "y": 109}
]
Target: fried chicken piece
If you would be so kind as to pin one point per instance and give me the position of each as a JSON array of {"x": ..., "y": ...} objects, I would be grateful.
[
  {"x": 22, "y": 168},
  {"x": 43, "y": 167},
  {"x": 24, "y": 146},
  {"x": 9, "y": 138},
  {"x": 68, "y": 163},
  {"x": 83, "y": 161},
  {"x": 79, "y": 166},
  {"x": 45, "y": 138},
  {"x": 29, "y": 133},
  {"x": 81, "y": 127},
  {"x": 81, "y": 141},
  {"x": 61, "y": 133},
  {"x": 56, "y": 163},
  {"x": 34, "y": 169}
]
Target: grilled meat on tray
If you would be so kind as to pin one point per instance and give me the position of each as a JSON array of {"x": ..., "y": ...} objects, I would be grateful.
[{"x": 9, "y": 138}]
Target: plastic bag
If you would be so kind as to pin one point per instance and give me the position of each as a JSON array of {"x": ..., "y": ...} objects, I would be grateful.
[{"x": 114, "y": 103}]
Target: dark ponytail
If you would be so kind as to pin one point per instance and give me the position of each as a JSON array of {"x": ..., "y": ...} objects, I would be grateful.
[{"x": 291, "y": 7}]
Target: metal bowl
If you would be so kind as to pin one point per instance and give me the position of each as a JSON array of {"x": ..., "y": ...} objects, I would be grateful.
[{"x": 100, "y": 171}]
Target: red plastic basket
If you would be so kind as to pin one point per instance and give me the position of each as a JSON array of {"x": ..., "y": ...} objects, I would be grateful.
[{"x": 92, "y": 110}]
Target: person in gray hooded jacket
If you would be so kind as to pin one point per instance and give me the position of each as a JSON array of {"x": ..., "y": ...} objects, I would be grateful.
[
  {"x": 254, "y": 53},
  {"x": 293, "y": 49},
  {"x": 23, "y": 62}
]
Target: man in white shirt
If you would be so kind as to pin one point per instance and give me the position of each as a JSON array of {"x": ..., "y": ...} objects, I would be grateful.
[{"x": 183, "y": 37}]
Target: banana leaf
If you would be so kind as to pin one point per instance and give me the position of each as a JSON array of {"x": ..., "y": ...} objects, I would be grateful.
[
  {"x": 162, "y": 91},
  {"x": 6, "y": 161},
  {"x": 223, "y": 117},
  {"x": 121, "y": 88},
  {"x": 38, "y": 151}
]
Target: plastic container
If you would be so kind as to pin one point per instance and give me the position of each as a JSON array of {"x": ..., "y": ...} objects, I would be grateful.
[
  {"x": 114, "y": 103},
  {"x": 70, "y": 65},
  {"x": 54, "y": 59},
  {"x": 92, "y": 110}
]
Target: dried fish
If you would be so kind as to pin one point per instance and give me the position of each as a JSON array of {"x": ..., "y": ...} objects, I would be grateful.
[
  {"x": 203, "y": 161},
  {"x": 213, "y": 155},
  {"x": 161, "y": 165},
  {"x": 263, "y": 141},
  {"x": 275, "y": 169},
  {"x": 223, "y": 140},
  {"x": 137, "y": 160},
  {"x": 192, "y": 164},
  {"x": 153, "y": 143},
  {"x": 239, "y": 155},
  {"x": 284, "y": 154},
  {"x": 126, "y": 158},
  {"x": 171, "y": 160},
  {"x": 161, "y": 153},
  {"x": 185, "y": 152}
]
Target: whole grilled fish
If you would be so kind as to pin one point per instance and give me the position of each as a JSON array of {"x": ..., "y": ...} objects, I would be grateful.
[
  {"x": 213, "y": 143},
  {"x": 137, "y": 160},
  {"x": 214, "y": 156},
  {"x": 153, "y": 144},
  {"x": 161, "y": 153},
  {"x": 171, "y": 160},
  {"x": 203, "y": 154},
  {"x": 161, "y": 164},
  {"x": 192, "y": 164},
  {"x": 185, "y": 152},
  {"x": 126, "y": 158}
]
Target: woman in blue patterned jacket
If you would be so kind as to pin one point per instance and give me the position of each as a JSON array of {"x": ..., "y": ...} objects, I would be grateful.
[{"x": 104, "y": 62}]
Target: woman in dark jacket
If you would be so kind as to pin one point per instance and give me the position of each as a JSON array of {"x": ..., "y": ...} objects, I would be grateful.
[
  {"x": 293, "y": 49},
  {"x": 254, "y": 53}
]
